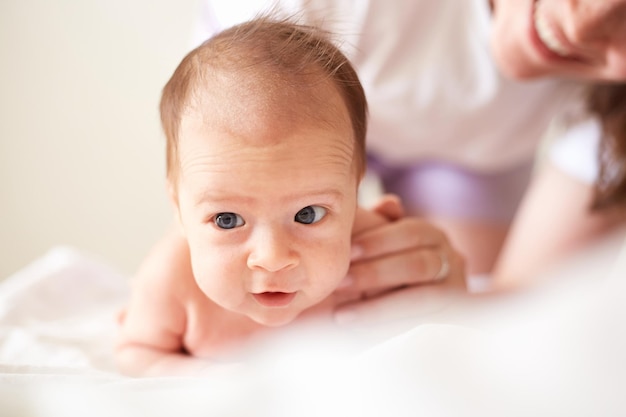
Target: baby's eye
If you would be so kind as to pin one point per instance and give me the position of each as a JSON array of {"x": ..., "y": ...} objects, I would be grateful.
[
  {"x": 310, "y": 214},
  {"x": 228, "y": 220}
]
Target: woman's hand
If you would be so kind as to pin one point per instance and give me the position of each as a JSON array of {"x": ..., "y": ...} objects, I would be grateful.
[{"x": 392, "y": 251}]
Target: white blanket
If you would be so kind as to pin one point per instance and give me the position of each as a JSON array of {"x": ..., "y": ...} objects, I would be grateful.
[{"x": 553, "y": 350}]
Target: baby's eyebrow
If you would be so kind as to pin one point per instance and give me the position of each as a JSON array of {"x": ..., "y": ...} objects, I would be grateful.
[
  {"x": 324, "y": 196},
  {"x": 217, "y": 197},
  {"x": 329, "y": 192}
]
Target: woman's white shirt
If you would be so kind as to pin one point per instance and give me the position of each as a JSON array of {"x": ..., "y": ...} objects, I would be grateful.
[
  {"x": 576, "y": 152},
  {"x": 433, "y": 90}
]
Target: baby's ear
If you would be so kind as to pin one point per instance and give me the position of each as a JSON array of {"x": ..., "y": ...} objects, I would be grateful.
[{"x": 172, "y": 193}]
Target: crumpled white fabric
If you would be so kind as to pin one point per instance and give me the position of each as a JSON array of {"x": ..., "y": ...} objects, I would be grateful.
[
  {"x": 58, "y": 313},
  {"x": 553, "y": 350}
]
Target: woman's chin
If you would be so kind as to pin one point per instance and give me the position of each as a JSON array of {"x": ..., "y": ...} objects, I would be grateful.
[
  {"x": 516, "y": 69},
  {"x": 514, "y": 62}
]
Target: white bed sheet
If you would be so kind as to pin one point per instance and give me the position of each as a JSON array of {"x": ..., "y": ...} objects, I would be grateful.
[{"x": 557, "y": 350}]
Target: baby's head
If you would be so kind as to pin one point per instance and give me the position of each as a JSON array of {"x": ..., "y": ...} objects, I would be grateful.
[
  {"x": 271, "y": 65},
  {"x": 265, "y": 127}
]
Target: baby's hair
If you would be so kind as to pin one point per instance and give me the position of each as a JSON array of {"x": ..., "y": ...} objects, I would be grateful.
[{"x": 292, "y": 56}]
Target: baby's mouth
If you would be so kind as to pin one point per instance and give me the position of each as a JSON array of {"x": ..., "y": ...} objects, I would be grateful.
[{"x": 274, "y": 299}]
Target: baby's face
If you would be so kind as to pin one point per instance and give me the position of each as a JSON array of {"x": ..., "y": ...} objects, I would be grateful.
[{"x": 267, "y": 207}]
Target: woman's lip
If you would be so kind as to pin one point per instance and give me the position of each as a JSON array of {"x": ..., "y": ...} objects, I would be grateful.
[
  {"x": 540, "y": 46},
  {"x": 274, "y": 299},
  {"x": 536, "y": 41}
]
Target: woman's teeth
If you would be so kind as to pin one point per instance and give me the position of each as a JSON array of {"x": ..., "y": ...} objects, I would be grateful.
[{"x": 546, "y": 35}]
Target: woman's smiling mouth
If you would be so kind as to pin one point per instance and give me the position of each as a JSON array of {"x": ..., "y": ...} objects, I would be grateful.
[{"x": 545, "y": 33}]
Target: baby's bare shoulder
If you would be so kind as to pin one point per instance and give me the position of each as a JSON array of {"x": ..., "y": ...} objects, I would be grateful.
[
  {"x": 175, "y": 285},
  {"x": 159, "y": 306}
]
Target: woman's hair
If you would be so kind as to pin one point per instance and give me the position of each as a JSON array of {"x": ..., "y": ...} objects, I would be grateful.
[
  {"x": 272, "y": 58},
  {"x": 608, "y": 103}
]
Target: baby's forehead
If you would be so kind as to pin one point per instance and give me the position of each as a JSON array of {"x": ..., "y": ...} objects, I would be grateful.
[{"x": 251, "y": 101}]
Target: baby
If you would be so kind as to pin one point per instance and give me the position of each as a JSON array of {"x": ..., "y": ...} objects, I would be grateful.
[{"x": 265, "y": 125}]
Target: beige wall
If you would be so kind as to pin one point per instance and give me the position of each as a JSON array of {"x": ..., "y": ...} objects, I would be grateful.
[{"x": 81, "y": 151}]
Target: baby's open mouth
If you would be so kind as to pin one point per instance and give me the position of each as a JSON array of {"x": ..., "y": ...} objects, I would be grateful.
[{"x": 274, "y": 299}]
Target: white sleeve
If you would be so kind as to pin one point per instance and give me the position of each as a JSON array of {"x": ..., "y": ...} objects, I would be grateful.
[{"x": 576, "y": 152}]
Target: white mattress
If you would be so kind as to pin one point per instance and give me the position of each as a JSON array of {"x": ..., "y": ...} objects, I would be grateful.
[{"x": 557, "y": 349}]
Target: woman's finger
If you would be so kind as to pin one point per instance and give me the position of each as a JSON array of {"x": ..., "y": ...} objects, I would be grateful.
[
  {"x": 410, "y": 267},
  {"x": 390, "y": 207},
  {"x": 396, "y": 237},
  {"x": 403, "y": 268}
]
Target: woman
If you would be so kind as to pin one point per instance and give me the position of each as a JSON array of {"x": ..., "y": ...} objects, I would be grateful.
[
  {"x": 457, "y": 140},
  {"x": 584, "y": 40}
]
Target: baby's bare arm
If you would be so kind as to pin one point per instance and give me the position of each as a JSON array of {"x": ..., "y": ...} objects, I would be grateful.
[
  {"x": 153, "y": 325},
  {"x": 142, "y": 361},
  {"x": 169, "y": 322},
  {"x": 151, "y": 332}
]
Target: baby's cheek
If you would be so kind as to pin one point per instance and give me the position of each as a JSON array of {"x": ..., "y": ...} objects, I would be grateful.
[
  {"x": 202, "y": 264},
  {"x": 336, "y": 261},
  {"x": 219, "y": 279}
]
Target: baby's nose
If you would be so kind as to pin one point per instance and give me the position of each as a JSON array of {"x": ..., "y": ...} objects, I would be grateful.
[{"x": 272, "y": 250}]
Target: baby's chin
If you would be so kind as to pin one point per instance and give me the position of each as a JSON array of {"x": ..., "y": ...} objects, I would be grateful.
[
  {"x": 284, "y": 317},
  {"x": 275, "y": 318}
]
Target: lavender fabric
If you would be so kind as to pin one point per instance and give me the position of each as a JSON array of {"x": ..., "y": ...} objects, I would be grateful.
[{"x": 444, "y": 189}]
